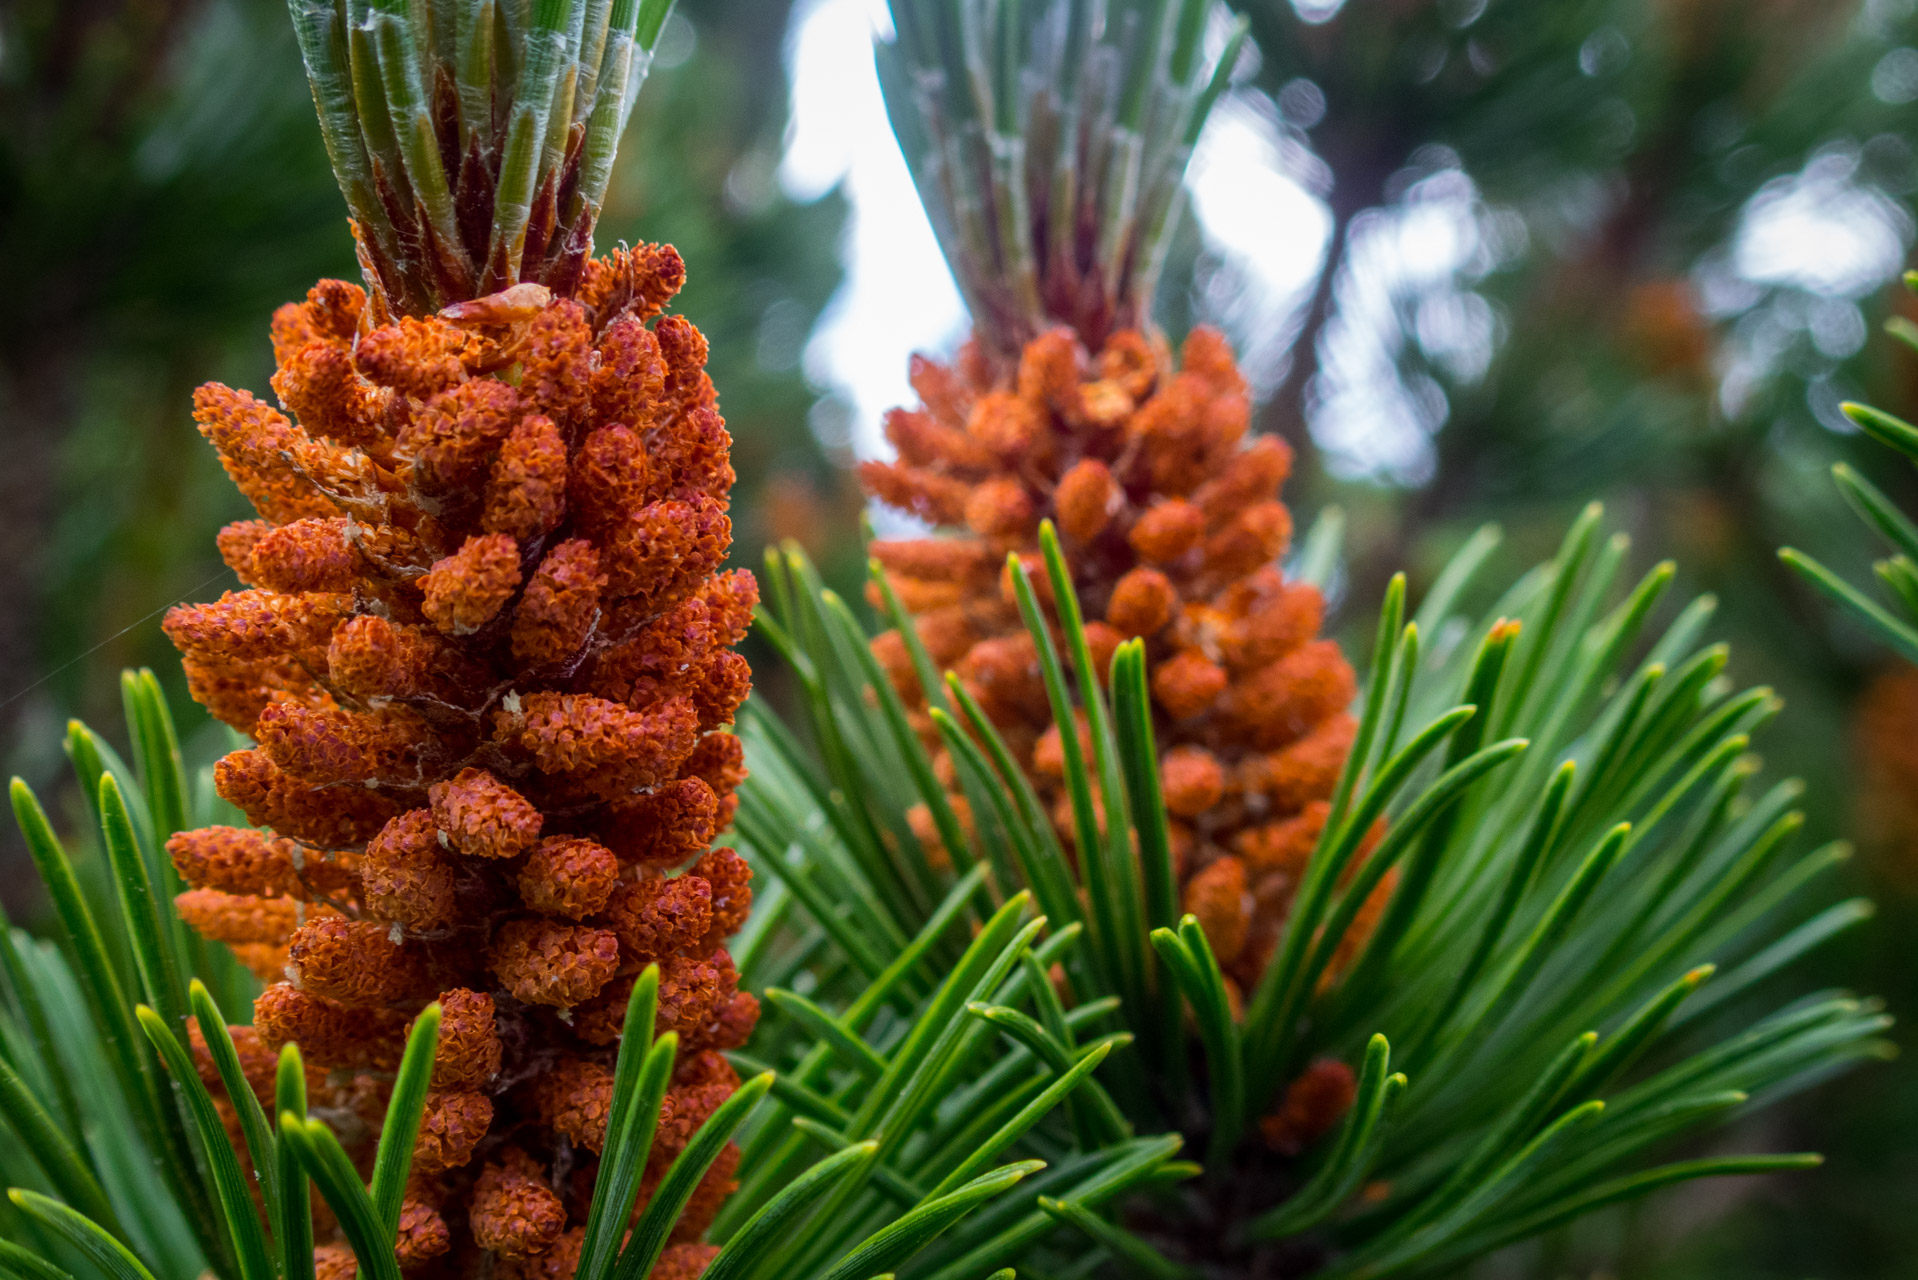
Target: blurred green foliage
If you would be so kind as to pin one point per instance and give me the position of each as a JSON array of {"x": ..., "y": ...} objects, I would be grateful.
[
  {"x": 161, "y": 189},
  {"x": 1660, "y": 302},
  {"x": 1601, "y": 333}
]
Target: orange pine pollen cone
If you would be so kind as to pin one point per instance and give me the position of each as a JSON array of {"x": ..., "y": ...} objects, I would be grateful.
[
  {"x": 1171, "y": 523},
  {"x": 1887, "y": 793},
  {"x": 485, "y": 651}
]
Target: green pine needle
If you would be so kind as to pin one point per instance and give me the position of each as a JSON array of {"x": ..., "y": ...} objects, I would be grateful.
[
  {"x": 533, "y": 108},
  {"x": 1048, "y": 140},
  {"x": 1575, "y": 856}
]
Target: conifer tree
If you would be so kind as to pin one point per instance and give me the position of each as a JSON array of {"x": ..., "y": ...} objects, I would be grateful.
[
  {"x": 1460, "y": 983},
  {"x": 1479, "y": 951}
]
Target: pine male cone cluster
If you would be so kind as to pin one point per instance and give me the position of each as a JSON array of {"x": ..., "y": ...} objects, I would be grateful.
[
  {"x": 1171, "y": 523},
  {"x": 1887, "y": 795},
  {"x": 485, "y": 651}
]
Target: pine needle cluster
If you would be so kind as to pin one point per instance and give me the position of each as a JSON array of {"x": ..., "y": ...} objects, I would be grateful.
[
  {"x": 473, "y": 139},
  {"x": 1586, "y": 880}
]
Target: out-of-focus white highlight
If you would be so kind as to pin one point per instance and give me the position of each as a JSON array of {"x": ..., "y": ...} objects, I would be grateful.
[
  {"x": 1822, "y": 231},
  {"x": 1401, "y": 283},
  {"x": 1267, "y": 229},
  {"x": 1248, "y": 208},
  {"x": 897, "y": 297},
  {"x": 1807, "y": 246}
]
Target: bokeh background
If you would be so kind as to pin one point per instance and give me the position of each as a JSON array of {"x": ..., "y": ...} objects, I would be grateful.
[{"x": 1485, "y": 260}]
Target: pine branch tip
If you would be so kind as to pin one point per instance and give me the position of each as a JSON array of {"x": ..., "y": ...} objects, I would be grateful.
[
  {"x": 1049, "y": 153},
  {"x": 431, "y": 136}
]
